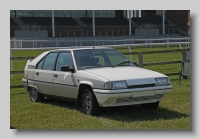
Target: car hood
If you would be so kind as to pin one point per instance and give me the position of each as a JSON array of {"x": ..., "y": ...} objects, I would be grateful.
[{"x": 133, "y": 75}]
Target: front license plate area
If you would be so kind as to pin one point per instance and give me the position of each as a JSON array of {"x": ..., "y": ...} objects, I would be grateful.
[{"x": 143, "y": 93}]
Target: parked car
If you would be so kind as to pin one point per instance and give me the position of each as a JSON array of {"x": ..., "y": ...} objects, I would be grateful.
[{"x": 93, "y": 77}]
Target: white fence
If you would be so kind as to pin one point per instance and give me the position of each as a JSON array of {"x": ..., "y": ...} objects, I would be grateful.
[
  {"x": 127, "y": 45},
  {"x": 19, "y": 43}
]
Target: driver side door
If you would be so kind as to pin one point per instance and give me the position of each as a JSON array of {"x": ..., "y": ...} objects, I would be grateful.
[{"x": 64, "y": 83}]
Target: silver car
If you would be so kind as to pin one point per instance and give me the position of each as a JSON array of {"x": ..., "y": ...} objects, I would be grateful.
[{"x": 93, "y": 77}]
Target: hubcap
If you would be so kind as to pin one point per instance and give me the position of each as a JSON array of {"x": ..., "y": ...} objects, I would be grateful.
[
  {"x": 87, "y": 103},
  {"x": 33, "y": 93}
]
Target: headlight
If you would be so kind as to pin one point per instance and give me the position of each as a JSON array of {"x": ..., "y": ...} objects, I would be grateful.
[
  {"x": 162, "y": 81},
  {"x": 115, "y": 85}
]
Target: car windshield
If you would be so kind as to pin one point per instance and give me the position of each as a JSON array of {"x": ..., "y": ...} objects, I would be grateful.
[{"x": 96, "y": 58}]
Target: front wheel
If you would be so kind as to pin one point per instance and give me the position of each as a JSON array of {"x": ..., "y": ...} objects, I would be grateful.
[
  {"x": 35, "y": 96},
  {"x": 89, "y": 104},
  {"x": 153, "y": 105}
]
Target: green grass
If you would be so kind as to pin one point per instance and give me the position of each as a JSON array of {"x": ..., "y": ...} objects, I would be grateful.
[{"x": 173, "y": 112}]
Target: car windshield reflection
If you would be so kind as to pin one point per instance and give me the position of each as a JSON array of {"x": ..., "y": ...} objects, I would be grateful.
[{"x": 97, "y": 58}]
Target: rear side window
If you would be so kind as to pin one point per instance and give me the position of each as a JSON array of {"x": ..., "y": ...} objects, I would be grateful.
[
  {"x": 49, "y": 61},
  {"x": 39, "y": 66}
]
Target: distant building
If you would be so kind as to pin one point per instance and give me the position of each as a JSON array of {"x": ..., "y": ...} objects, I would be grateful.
[{"x": 107, "y": 22}]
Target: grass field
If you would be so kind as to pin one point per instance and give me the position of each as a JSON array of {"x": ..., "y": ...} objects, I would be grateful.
[{"x": 172, "y": 114}]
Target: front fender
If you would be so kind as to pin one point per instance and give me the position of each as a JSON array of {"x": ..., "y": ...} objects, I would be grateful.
[{"x": 87, "y": 83}]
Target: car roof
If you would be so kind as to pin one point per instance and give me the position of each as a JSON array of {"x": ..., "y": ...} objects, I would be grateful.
[
  {"x": 35, "y": 60},
  {"x": 81, "y": 48}
]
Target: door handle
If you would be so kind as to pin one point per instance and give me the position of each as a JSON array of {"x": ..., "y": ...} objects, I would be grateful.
[
  {"x": 37, "y": 73},
  {"x": 55, "y": 75}
]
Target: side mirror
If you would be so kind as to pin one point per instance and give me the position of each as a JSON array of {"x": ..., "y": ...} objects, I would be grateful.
[
  {"x": 135, "y": 63},
  {"x": 66, "y": 68}
]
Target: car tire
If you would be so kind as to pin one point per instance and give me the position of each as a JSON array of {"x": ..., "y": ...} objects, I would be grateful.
[
  {"x": 35, "y": 96},
  {"x": 153, "y": 105},
  {"x": 89, "y": 104}
]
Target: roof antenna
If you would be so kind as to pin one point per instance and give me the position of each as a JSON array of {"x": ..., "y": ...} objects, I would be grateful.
[{"x": 85, "y": 35}]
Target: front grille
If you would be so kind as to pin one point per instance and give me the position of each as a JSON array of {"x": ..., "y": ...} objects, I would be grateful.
[
  {"x": 141, "y": 86},
  {"x": 132, "y": 99}
]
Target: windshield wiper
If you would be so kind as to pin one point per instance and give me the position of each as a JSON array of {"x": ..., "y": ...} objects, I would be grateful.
[{"x": 121, "y": 63}]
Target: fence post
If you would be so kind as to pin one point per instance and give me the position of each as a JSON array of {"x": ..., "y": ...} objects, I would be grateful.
[
  {"x": 150, "y": 42},
  {"x": 35, "y": 43},
  {"x": 21, "y": 43},
  {"x": 146, "y": 43},
  {"x": 12, "y": 68},
  {"x": 140, "y": 59},
  {"x": 183, "y": 55},
  {"x": 56, "y": 42},
  {"x": 14, "y": 43},
  {"x": 130, "y": 52},
  {"x": 167, "y": 42}
]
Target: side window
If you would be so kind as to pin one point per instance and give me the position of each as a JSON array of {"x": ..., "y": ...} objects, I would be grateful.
[
  {"x": 39, "y": 66},
  {"x": 49, "y": 61},
  {"x": 64, "y": 58}
]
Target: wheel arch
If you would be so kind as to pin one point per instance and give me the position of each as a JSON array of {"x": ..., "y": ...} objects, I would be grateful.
[
  {"x": 83, "y": 85},
  {"x": 32, "y": 86}
]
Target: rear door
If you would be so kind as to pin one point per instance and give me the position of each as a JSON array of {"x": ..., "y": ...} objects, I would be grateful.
[
  {"x": 64, "y": 83},
  {"x": 43, "y": 74}
]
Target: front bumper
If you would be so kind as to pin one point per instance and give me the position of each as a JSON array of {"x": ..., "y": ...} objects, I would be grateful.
[
  {"x": 25, "y": 83},
  {"x": 134, "y": 96}
]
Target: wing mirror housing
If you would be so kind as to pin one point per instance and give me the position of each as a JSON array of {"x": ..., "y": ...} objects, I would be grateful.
[
  {"x": 66, "y": 68},
  {"x": 136, "y": 64}
]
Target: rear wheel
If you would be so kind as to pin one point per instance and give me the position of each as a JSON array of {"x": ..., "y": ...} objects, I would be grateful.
[
  {"x": 153, "y": 105},
  {"x": 35, "y": 96},
  {"x": 89, "y": 104}
]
